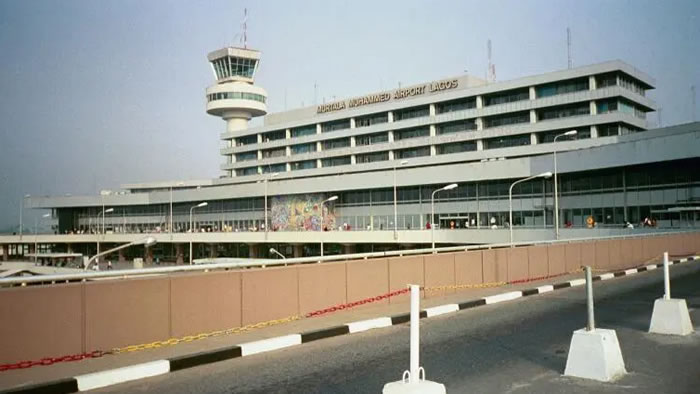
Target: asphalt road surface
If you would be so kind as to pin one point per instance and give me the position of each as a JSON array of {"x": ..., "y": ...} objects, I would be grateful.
[{"x": 514, "y": 347}]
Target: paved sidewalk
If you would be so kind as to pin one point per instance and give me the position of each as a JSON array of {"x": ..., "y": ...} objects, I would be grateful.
[{"x": 38, "y": 374}]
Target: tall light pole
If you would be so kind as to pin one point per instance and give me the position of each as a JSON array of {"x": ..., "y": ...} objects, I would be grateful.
[
  {"x": 200, "y": 205},
  {"x": 147, "y": 242},
  {"x": 396, "y": 221},
  {"x": 432, "y": 211},
  {"x": 267, "y": 178},
  {"x": 274, "y": 251},
  {"x": 510, "y": 199},
  {"x": 556, "y": 183},
  {"x": 323, "y": 218},
  {"x": 102, "y": 213},
  {"x": 21, "y": 212},
  {"x": 36, "y": 227}
]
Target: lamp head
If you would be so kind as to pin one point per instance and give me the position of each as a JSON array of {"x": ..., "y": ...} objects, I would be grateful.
[
  {"x": 331, "y": 198},
  {"x": 46, "y": 215},
  {"x": 202, "y": 204},
  {"x": 547, "y": 174},
  {"x": 571, "y": 132},
  {"x": 404, "y": 162},
  {"x": 109, "y": 210},
  {"x": 450, "y": 186}
]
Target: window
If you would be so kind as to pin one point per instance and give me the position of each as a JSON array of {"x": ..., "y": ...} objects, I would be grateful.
[
  {"x": 369, "y": 120},
  {"x": 272, "y": 168},
  {"x": 605, "y": 130},
  {"x": 247, "y": 171},
  {"x": 303, "y": 131},
  {"x": 505, "y": 142},
  {"x": 237, "y": 96},
  {"x": 631, "y": 84},
  {"x": 303, "y": 148},
  {"x": 303, "y": 165},
  {"x": 466, "y": 146},
  {"x": 372, "y": 157},
  {"x": 455, "y": 127},
  {"x": 247, "y": 140},
  {"x": 562, "y": 87},
  {"x": 245, "y": 156},
  {"x": 336, "y": 143},
  {"x": 410, "y": 113},
  {"x": 336, "y": 161},
  {"x": 548, "y": 136},
  {"x": 456, "y": 105},
  {"x": 274, "y": 135},
  {"x": 230, "y": 66},
  {"x": 509, "y": 96},
  {"x": 371, "y": 139},
  {"x": 411, "y": 133},
  {"x": 605, "y": 80},
  {"x": 335, "y": 125},
  {"x": 412, "y": 152},
  {"x": 564, "y": 111},
  {"x": 507, "y": 119},
  {"x": 277, "y": 152},
  {"x": 605, "y": 106}
]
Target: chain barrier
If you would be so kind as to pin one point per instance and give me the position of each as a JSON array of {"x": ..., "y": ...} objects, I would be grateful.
[{"x": 274, "y": 322}]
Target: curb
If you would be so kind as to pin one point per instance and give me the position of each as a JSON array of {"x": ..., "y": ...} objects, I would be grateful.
[{"x": 159, "y": 367}]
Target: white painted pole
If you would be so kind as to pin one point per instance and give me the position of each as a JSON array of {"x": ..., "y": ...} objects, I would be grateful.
[
  {"x": 667, "y": 279},
  {"x": 415, "y": 334},
  {"x": 590, "y": 324}
]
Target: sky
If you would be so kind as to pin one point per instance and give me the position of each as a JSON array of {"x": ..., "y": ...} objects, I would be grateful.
[{"x": 95, "y": 94}]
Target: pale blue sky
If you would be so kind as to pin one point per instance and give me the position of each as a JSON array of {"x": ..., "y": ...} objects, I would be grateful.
[{"x": 94, "y": 94}]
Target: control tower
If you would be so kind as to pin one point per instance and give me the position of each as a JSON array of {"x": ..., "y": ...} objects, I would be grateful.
[{"x": 234, "y": 97}]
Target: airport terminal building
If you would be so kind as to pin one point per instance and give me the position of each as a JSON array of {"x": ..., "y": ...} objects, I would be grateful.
[{"x": 367, "y": 169}]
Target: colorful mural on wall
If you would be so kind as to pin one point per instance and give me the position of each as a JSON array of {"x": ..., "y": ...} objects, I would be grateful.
[{"x": 300, "y": 213}]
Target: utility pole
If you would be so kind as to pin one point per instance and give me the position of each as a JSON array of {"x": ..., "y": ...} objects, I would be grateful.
[{"x": 568, "y": 47}]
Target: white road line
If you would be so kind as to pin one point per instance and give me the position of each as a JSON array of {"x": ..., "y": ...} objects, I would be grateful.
[
  {"x": 365, "y": 325},
  {"x": 441, "y": 310},
  {"x": 651, "y": 267},
  {"x": 545, "y": 289},
  {"x": 577, "y": 282},
  {"x": 267, "y": 345},
  {"x": 631, "y": 271},
  {"x": 607, "y": 276},
  {"x": 503, "y": 297},
  {"x": 113, "y": 376}
]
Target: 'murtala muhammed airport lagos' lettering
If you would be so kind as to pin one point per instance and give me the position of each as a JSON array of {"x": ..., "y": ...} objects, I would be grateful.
[{"x": 386, "y": 96}]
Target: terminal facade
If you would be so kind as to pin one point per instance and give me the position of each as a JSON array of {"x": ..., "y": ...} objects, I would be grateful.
[{"x": 384, "y": 155}]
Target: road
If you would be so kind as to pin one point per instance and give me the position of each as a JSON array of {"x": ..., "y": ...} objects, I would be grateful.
[{"x": 514, "y": 347}]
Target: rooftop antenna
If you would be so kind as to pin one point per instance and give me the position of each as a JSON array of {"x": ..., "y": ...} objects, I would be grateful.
[
  {"x": 692, "y": 101},
  {"x": 568, "y": 46},
  {"x": 245, "y": 28},
  {"x": 491, "y": 72}
]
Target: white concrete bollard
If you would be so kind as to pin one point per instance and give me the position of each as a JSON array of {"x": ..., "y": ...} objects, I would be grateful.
[
  {"x": 670, "y": 316},
  {"x": 410, "y": 382},
  {"x": 594, "y": 353}
]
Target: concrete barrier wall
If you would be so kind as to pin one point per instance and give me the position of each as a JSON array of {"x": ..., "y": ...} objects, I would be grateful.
[{"x": 50, "y": 321}]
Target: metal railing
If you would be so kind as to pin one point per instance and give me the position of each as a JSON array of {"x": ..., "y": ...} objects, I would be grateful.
[{"x": 262, "y": 263}]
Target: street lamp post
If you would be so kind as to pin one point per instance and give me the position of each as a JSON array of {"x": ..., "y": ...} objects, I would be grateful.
[
  {"x": 102, "y": 213},
  {"x": 147, "y": 242},
  {"x": 556, "y": 183},
  {"x": 36, "y": 228},
  {"x": 510, "y": 199},
  {"x": 323, "y": 218},
  {"x": 396, "y": 221},
  {"x": 200, "y": 205},
  {"x": 432, "y": 211},
  {"x": 274, "y": 251},
  {"x": 265, "y": 181}
]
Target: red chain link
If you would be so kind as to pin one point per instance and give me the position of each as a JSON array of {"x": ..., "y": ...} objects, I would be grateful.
[
  {"x": 52, "y": 360},
  {"x": 349, "y": 305}
]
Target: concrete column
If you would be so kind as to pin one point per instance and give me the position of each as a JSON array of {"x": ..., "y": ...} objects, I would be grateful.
[
  {"x": 253, "y": 251},
  {"x": 349, "y": 248},
  {"x": 287, "y": 151},
  {"x": 260, "y": 138},
  {"x": 533, "y": 138},
  {"x": 288, "y": 133},
  {"x": 594, "y": 108},
  {"x": 390, "y": 117},
  {"x": 5, "y": 251},
  {"x": 479, "y": 123},
  {"x": 391, "y": 155},
  {"x": 298, "y": 250},
  {"x": 592, "y": 85},
  {"x": 533, "y": 116},
  {"x": 479, "y": 102},
  {"x": 432, "y": 109},
  {"x": 318, "y": 128},
  {"x": 479, "y": 144},
  {"x": 179, "y": 254},
  {"x": 319, "y": 163},
  {"x": 149, "y": 255},
  {"x": 432, "y": 130},
  {"x": 352, "y": 142},
  {"x": 353, "y": 159},
  {"x": 352, "y": 123},
  {"x": 212, "y": 250},
  {"x": 433, "y": 150},
  {"x": 533, "y": 94},
  {"x": 289, "y": 167},
  {"x": 260, "y": 155},
  {"x": 319, "y": 146},
  {"x": 121, "y": 258},
  {"x": 594, "y": 131},
  {"x": 391, "y": 136}
]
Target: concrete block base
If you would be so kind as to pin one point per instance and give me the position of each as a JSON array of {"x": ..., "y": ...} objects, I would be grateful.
[
  {"x": 595, "y": 355},
  {"x": 670, "y": 317},
  {"x": 420, "y": 387}
]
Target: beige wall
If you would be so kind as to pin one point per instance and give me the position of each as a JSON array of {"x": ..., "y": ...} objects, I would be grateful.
[{"x": 49, "y": 321}]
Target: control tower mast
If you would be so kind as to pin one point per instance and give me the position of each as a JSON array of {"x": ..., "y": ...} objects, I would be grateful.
[{"x": 235, "y": 97}]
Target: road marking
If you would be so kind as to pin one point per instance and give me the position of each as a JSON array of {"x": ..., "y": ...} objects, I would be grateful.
[
  {"x": 651, "y": 267},
  {"x": 266, "y": 345},
  {"x": 441, "y": 310},
  {"x": 607, "y": 276},
  {"x": 545, "y": 289},
  {"x": 683, "y": 260},
  {"x": 365, "y": 325},
  {"x": 503, "y": 297},
  {"x": 577, "y": 282},
  {"x": 631, "y": 271},
  {"x": 96, "y": 380}
]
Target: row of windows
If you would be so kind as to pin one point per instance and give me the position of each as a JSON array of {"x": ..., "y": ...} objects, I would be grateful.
[
  {"x": 564, "y": 111},
  {"x": 507, "y": 119},
  {"x": 236, "y": 95},
  {"x": 234, "y": 66},
  {"x": 564, "y": 87},
  {"x": 612, "y": 105},
  {"x": 456, "y": 127},
  {"x": 412, "y": 133}
]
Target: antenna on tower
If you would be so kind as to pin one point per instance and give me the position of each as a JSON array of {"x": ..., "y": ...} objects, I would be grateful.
[
  {"x": 491, "y": 71},
  {"x": 568, "y": 47},
  {"x": 245, "y": 28}
]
